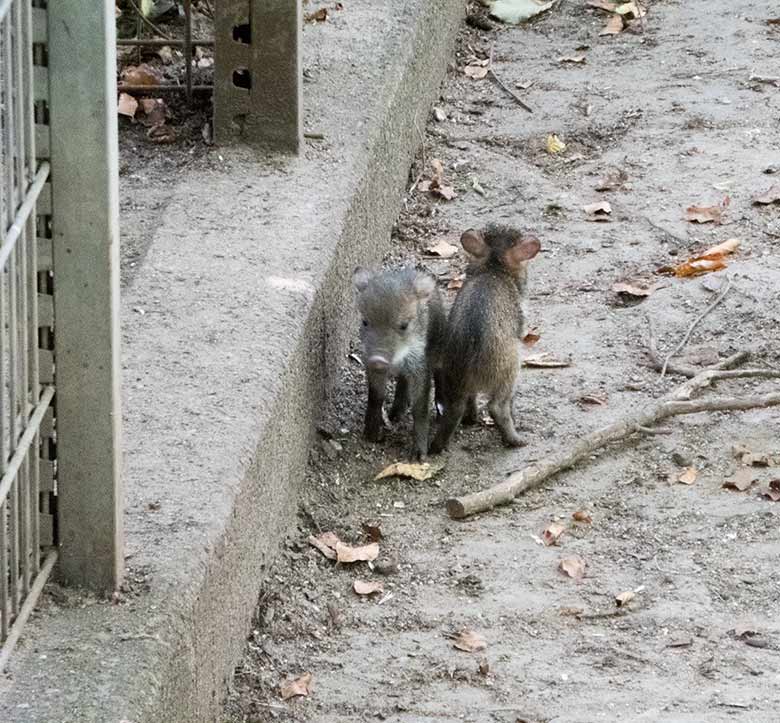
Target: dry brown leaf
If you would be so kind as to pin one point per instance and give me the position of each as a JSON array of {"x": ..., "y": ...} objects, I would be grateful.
[
  {"x": 582, "y": 516},
  {"x": 688, "y": 477},
  {"x": 446, "y": 192},
  {"x": 772, "y": 195},
  {"x": 624, "y": 598},
  {"x": 362, "y": 553},
  {"x": 127, "y": 105},
  {"x": 484, "y": 667},
  {"x": 469, "y": 641},
  {"x": 368, "y": 587},
  {"x": 592, "y": 399},
  {"x": 161, "y": 134},
  {"x": 630, "y": 9},
  {"x": 325, "y": 543},
  {"x": 634, "y": 288},
  {"x": 572, "y": 566},
  {"x": 420, "y": 472},
  {"x": 614, "y": 26},
  {"x": 545, "y": 361},
  {"x": 477, "y": 72},
  {"x": 155, "y": 111},
  {"x": 531, "y": 337},
  {"x": 318, "y": 16},
  {"x": 602, "y": 5},
  {"x": 572, "y": 59},
  {"x": 552, "y": 532},
  {"x": 373, "y": 532},
  {"x": 598, "y": 211},
  {"x": 297, "y": 687},
  {"x": 713, "y": 259},
  {"x": 722, "y": 249},
  {"x": 140, "y": 75},
  {"x": 741, "y": 480},
  {"x": 442, "y": 248},
  {"x": 772, "y": 490},
  {"x": 707, "y": 214},
  {"x": 438, "y": 170},
  {"x": 456, "y": 282}
]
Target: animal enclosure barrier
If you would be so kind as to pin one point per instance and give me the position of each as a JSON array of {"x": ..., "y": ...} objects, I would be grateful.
[{"x": 59, "y": 482}]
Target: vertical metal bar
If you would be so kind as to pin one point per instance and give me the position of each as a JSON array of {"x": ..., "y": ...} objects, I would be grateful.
[
  {"x": 84, "y": 179},
  {"x": 16, "y": 35},
  {"x": 3, "y": 572},
  {"x": 188, "y": 47},
  {"x": 13, "y": 401}
]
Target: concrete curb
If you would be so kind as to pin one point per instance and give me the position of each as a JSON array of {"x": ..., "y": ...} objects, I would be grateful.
[{"x": 244, "y": 293}]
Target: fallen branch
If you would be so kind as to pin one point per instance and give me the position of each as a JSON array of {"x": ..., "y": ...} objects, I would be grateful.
[
  {"x": 532, "y": 476},
  {"x": 504, "y": 87},
  {"x": 695, "y": 323},
  {"x": 686, "y": 371}
]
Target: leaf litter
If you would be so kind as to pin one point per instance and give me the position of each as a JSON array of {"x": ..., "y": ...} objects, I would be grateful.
[
  {"x": 713, "y": 259},
  {"x": 468, "y": 641},
  {"x": 546, "y": 360},
  {"x": 707, "y": 214},
  {"x": 741, "y": 480},
  {"x": 300, "y": 686},
  {"x": 368, "y": 587},
  {"x": 552, "y": 533},
  {"x": 573, "y": 566},
  {"x": 421, "y": 471}
]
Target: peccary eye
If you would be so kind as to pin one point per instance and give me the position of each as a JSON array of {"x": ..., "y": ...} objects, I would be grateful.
[
  {"x": 365, "y": 323},
  {"x": 403, "y": 326}
]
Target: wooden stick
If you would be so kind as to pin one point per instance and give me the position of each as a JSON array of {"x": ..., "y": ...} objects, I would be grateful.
[
  {"x": 506, "y": 88},
  {"x": 523, "y": 480},
  {"x": 695, "y": 323},
  {"x": 686, "y": 371}
]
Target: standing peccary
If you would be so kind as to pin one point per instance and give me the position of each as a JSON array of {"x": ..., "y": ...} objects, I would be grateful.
[
  {"x": 485, "y": 324},
  {"x": 402, "y": 332}
]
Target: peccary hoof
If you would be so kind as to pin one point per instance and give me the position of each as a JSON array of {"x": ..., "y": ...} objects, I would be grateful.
[
  {"x": 373, "y": 433},
  {"x": 436, "y": 447}
]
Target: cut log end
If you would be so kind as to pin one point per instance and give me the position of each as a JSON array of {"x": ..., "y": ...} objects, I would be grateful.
[{"x": 455, "y": 509}]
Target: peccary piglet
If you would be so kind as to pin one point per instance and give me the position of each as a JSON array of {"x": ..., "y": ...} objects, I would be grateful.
[
  {"x": 484, "y": 327},
  {"x": 402, "y": 332}
]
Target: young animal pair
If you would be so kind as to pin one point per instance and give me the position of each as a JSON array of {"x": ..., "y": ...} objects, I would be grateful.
[{"x": 405, "y": 335}]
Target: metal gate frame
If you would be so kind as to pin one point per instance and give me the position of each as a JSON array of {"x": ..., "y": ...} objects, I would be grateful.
[{"x": 60, "y": 490}]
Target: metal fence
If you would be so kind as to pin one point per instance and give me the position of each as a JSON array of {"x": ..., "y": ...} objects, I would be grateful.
[{"x": 25, "y": 397}]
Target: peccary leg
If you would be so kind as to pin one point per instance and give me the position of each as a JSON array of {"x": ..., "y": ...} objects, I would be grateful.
[
  {"x": 471, "y": 415},
  {"x": 438, "y": 391},
  {"x": 500, "y": 408},
  {"x": 400, "y": 400},
  {"x": 377, "y": 386},
  {"x": 449, "y": 422},
  {"x": 420, "y": 389}
]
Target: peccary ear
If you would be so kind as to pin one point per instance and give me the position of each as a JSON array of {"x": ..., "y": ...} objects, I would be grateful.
[
  {"x": 360, "y": 278},
  {"x": 423, "y": 286},
  {"x": 524, "y": 249},
  {"x": 474, "y": 243}
]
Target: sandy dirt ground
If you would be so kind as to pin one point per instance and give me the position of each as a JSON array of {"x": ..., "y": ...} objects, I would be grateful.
[{"x": 683, "y": 111}]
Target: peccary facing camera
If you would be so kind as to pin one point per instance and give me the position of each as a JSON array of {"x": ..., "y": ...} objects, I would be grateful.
[
  {"x": 402, "y": 332},
  {"x": 485, "y": 325}
]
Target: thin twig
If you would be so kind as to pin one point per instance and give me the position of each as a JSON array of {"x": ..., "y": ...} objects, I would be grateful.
[
  {"x": 641, "y": 15},
  {"x": 148, "y": 22},
  {"x": 695, "y": 323},
  {"x": 498, "y": 80}
]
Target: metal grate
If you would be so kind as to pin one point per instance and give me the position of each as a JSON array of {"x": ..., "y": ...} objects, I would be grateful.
[{"x": 24, "y": 397}]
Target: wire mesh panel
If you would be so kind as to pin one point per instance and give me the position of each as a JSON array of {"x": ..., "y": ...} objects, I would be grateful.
[{"x": 24, "y": 399}]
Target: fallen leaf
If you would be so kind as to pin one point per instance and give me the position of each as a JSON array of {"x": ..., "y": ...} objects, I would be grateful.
[
  {"x": 634, "y": 289},
  {"x": 165, "y": 53},
  {"x": 456, "y": 282},
  {"x": 373, "y": 532},
  {"x": 477, "y": 72},
  {"x": 442, "y": 248},
  {"x": 592, "y": 399},
  {"x": 127, "y": 105},
  {"x": 363, "y": 553},
  {"x": 710, "y": 260},
  {"x": 757, "y": 459},
  {"x": 582, "y": 516},
  {"x": 773, "y": 21},
  {"x": 614, "y": 26},
  {"x": 612, "y": 180},
  {"x": 545, "y": 361},
  {"x": 624, "y": 598},
  {"x": 446, "y": 192},
  {"x": 318, "y": 16},
  {"x": 552, "y": 532},
  {"x": 368, "y": 587},
  {"x": 140, "y": 75},
  {"x": 572, "y": 566},
  {"x": 469, "y": 641},
  {"x": 297, "y": 687},
  {"x": 420, "y": 472},
  {"x": 555, "y": 144},
  {"x": 571, "y": 612},
  {"x": 438, "y": 170},
  {"x": 602, "y": 5},
  {"x": 707, "y": 214},
  {"x": 531, "y": 337},
  {"x": 772, "y": 490},
  {"x": 326, "y": 543},
  {"x": 688, "y": 477},
  {"x": 740, "y": 480},
  {"x": 484, "y": 667},
  {"x": 161, "y": 134},
  {"x": 155, "y": 111},
  {"x": 572, "y": 59},
  {"x": 772, "y": 195},
  {"x": 630, "y": 9},
  {"x": 598, "y": 211}
]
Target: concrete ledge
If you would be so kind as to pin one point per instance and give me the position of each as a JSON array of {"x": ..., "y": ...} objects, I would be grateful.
[{"x": 244, "y": 295}]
